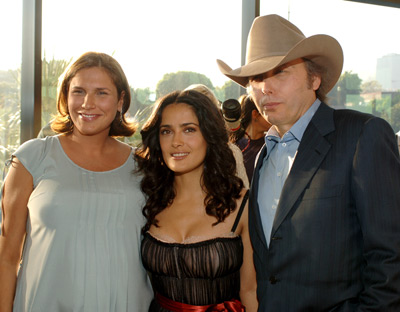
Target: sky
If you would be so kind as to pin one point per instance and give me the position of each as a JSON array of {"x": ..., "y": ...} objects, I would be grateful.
[{"x": 150, "y": 38}]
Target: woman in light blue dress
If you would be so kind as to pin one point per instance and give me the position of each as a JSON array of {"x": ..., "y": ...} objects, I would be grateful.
[{"x": 71, "y": 207}]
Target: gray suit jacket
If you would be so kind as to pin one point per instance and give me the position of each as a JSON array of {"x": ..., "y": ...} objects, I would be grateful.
[{"x": 335, "y": 243}]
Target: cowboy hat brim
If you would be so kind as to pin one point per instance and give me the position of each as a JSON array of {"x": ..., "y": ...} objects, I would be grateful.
[{"x": 324, "y": 50}]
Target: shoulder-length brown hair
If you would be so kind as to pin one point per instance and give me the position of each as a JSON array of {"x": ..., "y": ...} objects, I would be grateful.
[
  {"x": 219, "y": 180},
  {"x": 120, "y": 126}
]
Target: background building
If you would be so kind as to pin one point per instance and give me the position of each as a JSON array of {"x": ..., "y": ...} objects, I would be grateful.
[{"x": 388, "y": 72}]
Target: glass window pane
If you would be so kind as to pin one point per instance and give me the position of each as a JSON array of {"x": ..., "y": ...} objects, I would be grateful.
[
  {"x": 370, "y": 80},
  {"x": 10, "y": 69}
]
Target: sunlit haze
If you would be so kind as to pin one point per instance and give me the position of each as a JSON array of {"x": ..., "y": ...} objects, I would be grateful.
[{"x": 152, "y": 38}]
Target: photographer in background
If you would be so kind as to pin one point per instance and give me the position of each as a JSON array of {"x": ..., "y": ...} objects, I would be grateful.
[{"x": 249, "y": 132}]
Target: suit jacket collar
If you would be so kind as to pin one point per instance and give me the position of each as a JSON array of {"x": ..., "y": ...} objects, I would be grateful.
[
  {"x": 253, "y": 201},
  {"x": 312, "y": 150}
]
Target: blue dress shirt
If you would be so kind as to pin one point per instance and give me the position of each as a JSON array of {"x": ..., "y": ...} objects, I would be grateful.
[{"x": 281, "y": 153}]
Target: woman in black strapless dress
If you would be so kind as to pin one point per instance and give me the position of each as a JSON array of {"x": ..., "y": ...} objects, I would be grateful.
[{"x": 195, "y": 246}]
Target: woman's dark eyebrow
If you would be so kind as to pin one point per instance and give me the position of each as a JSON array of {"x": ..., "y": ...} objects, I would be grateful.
[{"x": 181, "y": 125}]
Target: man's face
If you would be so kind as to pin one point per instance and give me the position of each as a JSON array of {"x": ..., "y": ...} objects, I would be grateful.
[{"x": 284, "y": 94}]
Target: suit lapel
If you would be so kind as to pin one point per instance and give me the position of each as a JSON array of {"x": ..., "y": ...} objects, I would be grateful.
[
  {"x": 254, "y": 196},
  {"x": 311, "y": 152}
]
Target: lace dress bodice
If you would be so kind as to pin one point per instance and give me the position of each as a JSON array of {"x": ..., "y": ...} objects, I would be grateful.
[{"x": 202, "y": 273}]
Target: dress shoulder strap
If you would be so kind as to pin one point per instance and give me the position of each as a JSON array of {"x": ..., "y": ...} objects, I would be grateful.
[{"x": 239, "y": 214}]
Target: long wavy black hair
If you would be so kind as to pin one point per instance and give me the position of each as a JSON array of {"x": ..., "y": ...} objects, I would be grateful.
[{"x": 219, "y": 180}]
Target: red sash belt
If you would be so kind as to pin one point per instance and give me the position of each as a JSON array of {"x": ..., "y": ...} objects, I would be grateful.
[{"x": 226, "y": 306}]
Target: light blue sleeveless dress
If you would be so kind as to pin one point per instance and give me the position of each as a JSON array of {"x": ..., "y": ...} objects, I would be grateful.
[{"x": 82, "y": 247}]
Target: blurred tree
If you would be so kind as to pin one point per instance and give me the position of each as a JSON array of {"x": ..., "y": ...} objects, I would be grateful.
[
  {"x": 51, "y": 72},
  {"x": 142, "y": 101},
  {"x": 346, "y": 92},
  {"x": 9, "y": 114},
  {"x": 179, "y": 81},
  {"x": 230, "y": 90},
  {"x": 395, "y": 122},
  {"x": 371, "y": 86}
]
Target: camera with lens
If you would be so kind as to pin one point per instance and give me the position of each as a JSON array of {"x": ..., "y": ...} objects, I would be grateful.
[{"x": 232, "y": 111}]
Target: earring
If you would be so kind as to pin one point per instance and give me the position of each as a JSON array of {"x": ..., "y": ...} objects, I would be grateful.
[{"x": 120, "y": 118}]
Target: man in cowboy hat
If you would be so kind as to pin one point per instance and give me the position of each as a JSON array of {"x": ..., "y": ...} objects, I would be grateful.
[{"x": 325, "y": 196}]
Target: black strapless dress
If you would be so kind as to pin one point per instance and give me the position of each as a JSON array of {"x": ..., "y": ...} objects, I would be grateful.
[{"x": 201, "y": 273}]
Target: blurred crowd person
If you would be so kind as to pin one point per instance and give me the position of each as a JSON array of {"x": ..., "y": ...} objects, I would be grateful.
[{"x": 250, "y": 136}]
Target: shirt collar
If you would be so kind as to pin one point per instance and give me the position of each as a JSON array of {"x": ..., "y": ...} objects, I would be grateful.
[
  {"x": 297, "y": 130},
  {"x": 300, "y": 126}
]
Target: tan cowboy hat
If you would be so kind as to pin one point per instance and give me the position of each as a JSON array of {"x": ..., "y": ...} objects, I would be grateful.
[{"x": 274, "y": 41}]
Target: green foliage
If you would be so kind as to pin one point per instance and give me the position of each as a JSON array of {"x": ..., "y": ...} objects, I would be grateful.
[
  {"x": 51, "y": 72},
  {"x": 141, "y": 99},
  {"x": 371, "y": 86},
  {"x": 347, "y": 94},
  {"x": 382, "y": 107},
  {"x": 391, "y": 106},
  {"x": 230, "y": 90},
  {"x": 9, "y": 114},
  {"x": 396, "y": 116},
  {"x": 140, "y": 109},
  {"x": 348, "y": 84},
  {"x": 179, "y": 81}
]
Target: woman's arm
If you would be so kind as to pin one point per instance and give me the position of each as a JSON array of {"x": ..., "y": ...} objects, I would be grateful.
[
  {"x": 248, "y": 282},
  {"x": 18, "y": 187}
]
